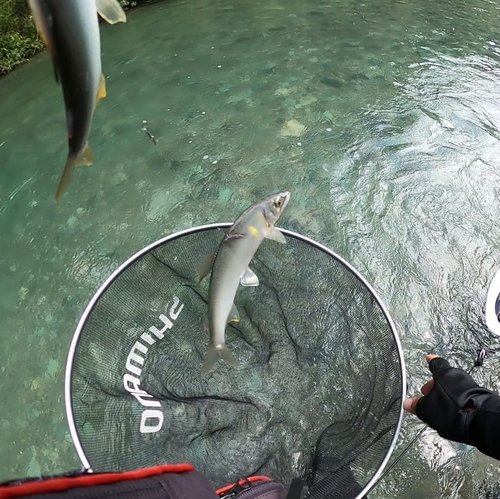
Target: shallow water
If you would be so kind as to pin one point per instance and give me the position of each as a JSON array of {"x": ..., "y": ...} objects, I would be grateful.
[{"x": 397, "y": 172}]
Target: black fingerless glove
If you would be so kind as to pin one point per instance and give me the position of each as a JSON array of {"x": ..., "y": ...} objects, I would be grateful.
[{"x": 460, "y": 410}]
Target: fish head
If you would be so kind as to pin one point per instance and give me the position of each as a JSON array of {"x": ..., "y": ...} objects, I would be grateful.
[{"x": 274, "y": 205}]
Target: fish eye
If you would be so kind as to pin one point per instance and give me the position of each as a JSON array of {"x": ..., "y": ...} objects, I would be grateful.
[{"x": 277, "y": 202}]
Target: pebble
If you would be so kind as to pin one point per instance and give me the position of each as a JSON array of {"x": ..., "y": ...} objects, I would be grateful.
[{"x": 293, "y": 128}]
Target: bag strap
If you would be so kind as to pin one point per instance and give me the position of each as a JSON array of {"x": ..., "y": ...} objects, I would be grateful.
[
  {"x": 297, "y": 489},
  {"x": 241, "y": 483},
  {"x": 31, "y": 486}
]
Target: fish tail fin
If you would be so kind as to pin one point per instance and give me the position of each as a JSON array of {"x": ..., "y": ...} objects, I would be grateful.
[
  {"x": 66, "y": 176},
  {"x": 214, "y": 354},
  {"x": 226, "y": 355},
  {"x": 210, "y": 359},
  {"x": 84, "y": 159}
]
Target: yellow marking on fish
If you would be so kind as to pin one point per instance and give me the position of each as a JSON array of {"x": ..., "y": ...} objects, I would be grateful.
[
  {"x": 102, "y": 87},
  {"x": 234, "y": 320},
  {"x": 253, "y": 231},
  {"x": 101, "y": 91}
]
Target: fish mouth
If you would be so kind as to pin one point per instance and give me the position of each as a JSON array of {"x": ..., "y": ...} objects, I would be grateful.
[{"x": 285, "y": 195}]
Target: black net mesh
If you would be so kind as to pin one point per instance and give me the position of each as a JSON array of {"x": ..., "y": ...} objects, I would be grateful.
[{"x": 317, "y": 394}]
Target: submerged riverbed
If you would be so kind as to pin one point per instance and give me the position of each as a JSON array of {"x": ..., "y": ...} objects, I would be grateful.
[{"x": 382, "y": 119}]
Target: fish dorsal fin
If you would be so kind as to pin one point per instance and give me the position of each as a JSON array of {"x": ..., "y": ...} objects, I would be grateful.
[
  {"x": 205, "y": 266},
  {"x": 275, "y": 235},
  {"x": 111, "y": 11}
]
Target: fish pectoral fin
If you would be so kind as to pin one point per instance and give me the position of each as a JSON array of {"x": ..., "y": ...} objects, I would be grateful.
[
  {"x": 111, "y": 11},
  {"x": 249, "y": 278},
  {"x": 86, "y": 158},
  {"x": 234, "y": 315},
  {"x": 205, "y": 266},
  {"x": 275, "y": 235},
  {"x": 214, "y": 354}
]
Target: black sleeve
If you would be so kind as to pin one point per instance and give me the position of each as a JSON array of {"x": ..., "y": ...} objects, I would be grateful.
[{"x": 460, "y": 410}]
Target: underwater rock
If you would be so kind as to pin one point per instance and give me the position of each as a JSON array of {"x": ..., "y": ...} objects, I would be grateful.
[
  {"x": 332, "y": 82},
  {"x": 292, "y": 128},
  {"x": 306, "y": 101}
]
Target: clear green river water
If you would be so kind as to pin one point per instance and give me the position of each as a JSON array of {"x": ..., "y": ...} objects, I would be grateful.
[{"x": 393, "y": 163}]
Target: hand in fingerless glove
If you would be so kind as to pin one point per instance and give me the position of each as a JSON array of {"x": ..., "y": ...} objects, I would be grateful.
[{"x": 460, "y": 410}]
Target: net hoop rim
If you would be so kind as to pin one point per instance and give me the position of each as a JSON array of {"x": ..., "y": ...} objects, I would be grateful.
[
  {"x": 221, "y": 225},
  {"x": 492, "y": 321}
]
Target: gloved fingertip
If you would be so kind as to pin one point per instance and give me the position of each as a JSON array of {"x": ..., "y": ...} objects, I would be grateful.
[
  {"x": 418, "y": 408},
  {"x": 438, "y": 363}
]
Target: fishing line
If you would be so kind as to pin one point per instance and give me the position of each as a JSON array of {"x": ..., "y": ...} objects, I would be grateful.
[{"x": 152, "y": 138}]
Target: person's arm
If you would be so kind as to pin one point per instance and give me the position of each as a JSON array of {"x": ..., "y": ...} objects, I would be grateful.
[{"x": 459, "y": 409}]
